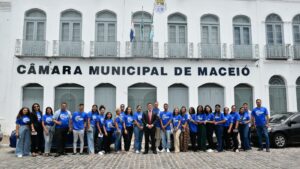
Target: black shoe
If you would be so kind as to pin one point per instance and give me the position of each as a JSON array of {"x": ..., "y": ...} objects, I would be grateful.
[
  {"x": 155, "y": 152},
  {"x": 145, "y": 152},
  {"x": 80, "y": 153},
  {"x": 259, "y": 149},
  {"x": 268, "y": 150},
  {"x": 74, "y": 153},
  {"x": 64, "y": 154},
  {"x": 57, "y": 155}
]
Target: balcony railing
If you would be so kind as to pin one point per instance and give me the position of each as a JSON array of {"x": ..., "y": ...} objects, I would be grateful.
[
  {"x": 104, "y": 49},
  {"x": 245, "y": 51},
  {"x": 277, "y": 51},
  {"x": 296, "y": 51},
  {"x": 212, "y": 51},
  {"x": 142, "y": 49},
  {"x": 31, "y": 48},
  {"x": 68, "y": 48},
  {"x": 179, "y": 50}
]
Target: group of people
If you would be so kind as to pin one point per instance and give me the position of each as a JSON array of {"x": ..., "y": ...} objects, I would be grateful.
[{"x": 160, "y": 128}]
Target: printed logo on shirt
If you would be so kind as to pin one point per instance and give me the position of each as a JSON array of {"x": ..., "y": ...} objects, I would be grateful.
[
  {"x": 63, "y": 116},
  {"x": 26, "y": 120},
  {"x": 140, "y": 117},
  {"x": 258, "y": 112},
  {"x": 200, "y": 118},
  {"x": 94, "y": 117},
  {"x": 78, "y": 118},
  {"x": 39, "y": 116},
  {"x": 165, "y": 117},
  {"x": 49, "y": 119},
  {"x": 109, "y": 124},
  {"x": 175, "y": 120},
  {"x": 129, "y": 119}
]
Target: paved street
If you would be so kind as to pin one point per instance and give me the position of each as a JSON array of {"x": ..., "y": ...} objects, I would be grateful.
[{"x": 278, "y": 158}]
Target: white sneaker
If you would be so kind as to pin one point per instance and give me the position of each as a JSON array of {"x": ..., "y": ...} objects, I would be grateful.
[
  {"x": 100, "y": 153},
  {"x": 157, "y": 149},
  {"x": 168, "y": 150},
  {"x": 237, "y": 150},
  {"x": 137, "y": 152},
  {"x": 209, "y": 150},
  {"x": 162, "y": 150},
  {"x": 19, "y": 156}
]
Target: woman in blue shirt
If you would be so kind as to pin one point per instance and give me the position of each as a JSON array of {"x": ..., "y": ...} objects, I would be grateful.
[
  {"x": 184, "y": 137},
  {"x": 193, "y": 128},
  {"x": 23, "y": 130},
  {"x": 100, "y": 123},
  {"x": 210, "y": 125},
  {"x": 138, "y": 129},
  {"x": 219, "y": 128},
  {"x": 92, "y": 128},
  {"x": 201, "y": 121},
  {"x": 119, "y": 124},
  {"x": 128, "y": 127},
  {"x": 244, "y": 129},
  {"x": 108, "y": 128},
  {"x": 176, "y": 129},
  {"x": 227, "y": 129},
  {"x": 37, "y": 138},
  {"x": 48, "y": 126}
]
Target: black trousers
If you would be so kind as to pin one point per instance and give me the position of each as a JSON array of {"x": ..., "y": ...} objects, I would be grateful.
[
  {"x": 234, "y": 137},
  {"x": 37, "y": 141},
  {"x": 100, "y": 142},
  {"x": 128, "y": 138},
  {"x": 108, "y": 141},
  {"x": 209, "y": 135},
  {"x": 227, "y": 144},
  {"x": 202, "y": 137},
  {"x": 193, "y": 137},
  {"x": 61, "y": 136},
  {"x": 149, "y": 133}
]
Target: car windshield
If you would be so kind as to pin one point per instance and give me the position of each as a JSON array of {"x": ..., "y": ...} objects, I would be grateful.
[{"x": 279, "y": 118}]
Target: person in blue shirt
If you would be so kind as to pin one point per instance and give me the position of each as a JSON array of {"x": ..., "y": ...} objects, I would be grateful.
[
  {"x": 108, "y": 128},
  {"x": 128, "y": 127},
  {"x": 260, "y": 119},
  {"x": 210, "y": 125},
  {"x": 79, "y": 124},
  {"x": 246, "y": 109},
  {"x": 119, "y": 125},
  {"x": 165, "y": 123},
  {"x": 92, "y": 128},
  {"x": 138, "y": 129},
  {"x": 201, "y": 121},
  {"x": 244, "y": 129},
  {"x": 48, "y": 126},
  {"x": 219, "y": 128},
  {"x": 100, "y": 124},
  {"x": 62, "y": 120},
  {"x": 122, "y": 115},
  {"x": 23, "y": 130},
  {"x": 37, "y": 138},
  {"x": 176, "y": 121},
  {"x": 193, "y": 128},
  {"x": 227, "y": 129},
  {"x": 157, "y": 126},
  {"x": 185, "y": 131},
  {"x": 234, "y": 130}
]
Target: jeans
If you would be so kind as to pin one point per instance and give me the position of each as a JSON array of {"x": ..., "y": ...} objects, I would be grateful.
[
  {"x": 157, "y": 137},
  {"x": 166, "y": 138},
  {"x": 118, "y": 140},
  {"x": 263, "y": 131},
  {"x": 219, "y": 134},
  {"x": 23, "y": 141},
  {"x": 48, "y": 138},
  {"x": 76, "y": 134},
  {"x": 244, "y": 130},
  {"x": 90, "y": 139},
  {"x": 138, "y": 138},
  {"x": 177, "y": 140}
]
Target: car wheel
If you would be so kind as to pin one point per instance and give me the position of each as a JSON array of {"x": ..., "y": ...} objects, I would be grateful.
[{"x": 279, "y": 140}]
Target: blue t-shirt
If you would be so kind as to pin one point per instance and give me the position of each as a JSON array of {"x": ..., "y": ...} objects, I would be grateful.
[
  {"x": 64, "y": 118},
  {"x": 185, "y": 118},
  {"x": 228, "y": 119},
  {"x": 201, "y": 117},
  {"x": 210, "y": 117},
  {"x": 259, "y": 114},
  {"x": 122, "y": 115},
  {"x": 128, "y": 120},
  {"x": 244, "y": 117},
  {"x": 100, "y": 120},
  {"x": 176, "y": 120},
  {"x": 39, "y": 116},
  {"x": 109, "y": 125},
  {"x": 93, "y": 117},
  {"x": 48, "y": 120},
  {"x": 235, "y": 117},
  {"x": 165, "y": 118},
  {"x": 138, "y": 117},
  {"x": 23, "y": 120},
  {"x": 157, "y": 122},
  {"x": 193, "y": 127},
  {"x": 219, "y": 117},
  {"x": 120, "y": 122},
  {"x": 78, "y": 119}
]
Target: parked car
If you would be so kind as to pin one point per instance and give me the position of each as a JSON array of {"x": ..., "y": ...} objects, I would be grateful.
[
  {"x": 1, "y": 134},
  {"x": 284, "y": 130}
]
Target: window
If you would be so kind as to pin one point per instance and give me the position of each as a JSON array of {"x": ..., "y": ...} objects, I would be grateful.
[
  {"x": 72, "y": 94},
  {"x": 211, "y": 94},
  {"x": 296, "y": 36},
  {"x": 177, "y": 35},
  {"x": 70, "y": 26},
  {"x": 296, "y": 119},
  {"x": 33, "y": 93},
  {"x": 178, "y": 96},
  {"x": 141, "y": 94},
  {"x": 242, "y": 30},
  {"x": 106, "y": 26},
  {"x": 105, "y": 94},
  {"x": 274, "y": 30},
  {"x": 277, "y": 95},
  {"x": 298, "y": 93},
  {"x": 243, "y": 94}
]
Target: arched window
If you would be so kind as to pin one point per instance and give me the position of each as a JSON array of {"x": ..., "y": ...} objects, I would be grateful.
[
  {"x": 243, "y": 94},
  {"x": 277, "y": 94},
  {"x": 178, "y": 96},
  {"x": 211, "y": 94},
  {"x": 296, "y": 36},
  {"x": 210, "y": 36},
  {"x": 298, "y": 93},
  {"x": 72, "y": 94},
  {"x": 105, "y": 94},
  {"x": 141, "y": 94},
  {"x": 33, "y": 93},
  {"x": 177, "y": 35},
  {"x": 274, "y": 28},
  {"x": 34, "y": 33}
]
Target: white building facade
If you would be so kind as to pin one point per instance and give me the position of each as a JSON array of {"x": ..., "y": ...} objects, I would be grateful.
[{"x": 195, "y": 52}]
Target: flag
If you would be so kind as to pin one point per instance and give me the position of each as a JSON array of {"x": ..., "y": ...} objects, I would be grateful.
[{"x": 132, "y": 33}]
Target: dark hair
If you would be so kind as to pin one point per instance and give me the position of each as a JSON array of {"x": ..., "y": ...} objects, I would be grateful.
[
  {"x": 102, "y": 107},
  {"x": 39, "y": 110},
  {"x": 95, "y": 105},
  {"x": 126, "y": 110},
  {"x": 174, "y": 111},
  {"x": 20, "y": 114},
  {"x": 257, "y": 100},
  {"x": 149, "y": 103},
  {"x": 245, "y": 103},
  {"x": 138, "y": 106},
  {"x": 51, "y": 113},
  {"x": 200, "y": 106},
  {"x": 205, "y": 109},
  {"x": 63, "y": 103},
  {"x": 81, "y": 104},
  {"x": 182, "y": 107},
  {"x": 240, "y": 109},
  {"x": 107, "y": 115},
  {"x": 192, "y": 110},
  {"x": 217, "y": 105}
]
